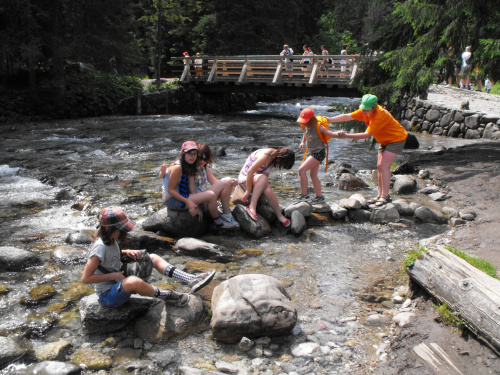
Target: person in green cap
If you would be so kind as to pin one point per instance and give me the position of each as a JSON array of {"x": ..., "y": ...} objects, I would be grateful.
[{"x": 387, "y": 131}]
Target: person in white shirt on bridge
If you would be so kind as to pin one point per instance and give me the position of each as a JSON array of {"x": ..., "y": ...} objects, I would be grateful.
[{"x": 287, "y": 52}]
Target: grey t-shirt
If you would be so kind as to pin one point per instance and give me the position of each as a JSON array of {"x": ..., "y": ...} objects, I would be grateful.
[
  {"x": 314, "y": 144},
  {"x": 110, "y": 259}
]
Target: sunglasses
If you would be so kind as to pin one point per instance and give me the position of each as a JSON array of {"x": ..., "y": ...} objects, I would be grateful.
[{"x": 204, "y": 158}]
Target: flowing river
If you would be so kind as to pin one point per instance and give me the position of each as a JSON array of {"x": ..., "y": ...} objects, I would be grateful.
[{"x": 56, "y": 176}]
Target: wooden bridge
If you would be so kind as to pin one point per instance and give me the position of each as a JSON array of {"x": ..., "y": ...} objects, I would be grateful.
[{"x": 329, "y": 75}]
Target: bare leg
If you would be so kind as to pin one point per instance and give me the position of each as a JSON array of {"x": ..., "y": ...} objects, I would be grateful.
[
  {"x": 384, "y": 162},
  {"x": 260, "y": 182},
  {"x": 315, "y": 180},
  {"x": 210, "y": 199},
  {"x": 223, "y": 190},
  {"x": 133, "y": 284},
  {"x": 272, "y": 199}
]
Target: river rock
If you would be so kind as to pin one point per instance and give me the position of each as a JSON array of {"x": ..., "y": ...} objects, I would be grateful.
[
  {"x": 490, "y": 131},
  {"x": 321, "y": 207},
  {"x": 96, "y": 318},
  {"x": 433, "y": 115},
  {"x": 472, "y": 134},
  {"x": 51, "y": 368},
  {"x": 298, "y": 222},
  {"x": 403, "y": 319},
  {"x": 347, "y": 181},
  {"x": 429, "y": 190},
  {"x": 140, "y": 239},
  {"x": 91, "y": 359},
  {"x": 14, "y": 259},
  {"x": 472, "y": 122},
  {"x": 81, "y": 238},
  {"x": 338, "y": 213},
  {"x": 9, "y": 351},
  {"x": 454, "y": 131},
  {"x": 439, "y": 196},
  {"x": 53, "y": 351},
  {"x": 350, "y": 204},
  {"x": 306, "y": 349},
  {"x": 468, "y": 214},
  {"x": 412, "y": 142},
  {"x": 264, "y": 210},
  {"x": 176, "y": 223},
  {"x": 38, "y": 294},
  {"x": 184, "y": 370},
  {"x": 404, "y": 209},
  {"x": 385, "y": 214},
  {"x": 256, "y": 229},
  {"x": 359, "y": 215},
  {"x": 377, "y": 320},
  {"x": 404, "y": 184},
  {"x": 163, "y": 321},
  {"x": 449, "y": 211},
  {"x": 303, "y": 207},
  {"x": 360, "y": 198},
  {"x": 424, "y": 174},
  {"x": 426, "y": 215},
  {"x": 163, "y": 358},
  {"x": 456, "y": 221},
  {"x": 251, "y": 305},
  {"x": 68, "y": 255},
  {"x": 198, "y": 248}
]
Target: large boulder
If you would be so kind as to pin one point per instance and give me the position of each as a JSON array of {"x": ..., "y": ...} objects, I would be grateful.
[
  {"x": 14, "y": 259},
  {"x": 163, "y": 322},
  {"x": 426, "y": 215},
  {"x": 303, "y": 207},
  {"x": 404, "y": 184},
  {"x": 338, "y": 212},
  {"x": 256, "y": 229},
  {"x": 347, "y": 181},
  {"x": 176, "y": 223},
  {"x": 251, "y": 306},
  {"x": 198, "y": 248},
  {"x": 96, "y": 318},
  {"x": 298, "y": 221},
  {"x": 385, "y": 214}
]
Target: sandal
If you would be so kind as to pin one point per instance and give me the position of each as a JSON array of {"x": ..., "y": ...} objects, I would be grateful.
[
  {"x": 253, "y": 216},
  {"x": 373, "y": 200},
  {"x": 286, "y": 223},
  {"x": 383, "y": 200}
]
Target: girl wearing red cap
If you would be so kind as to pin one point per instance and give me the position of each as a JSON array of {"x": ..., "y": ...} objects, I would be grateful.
[
  {"x": 178, "y": 182},
  {"x": 387, "y": 131},
  {"x": 317, "y": 154}
]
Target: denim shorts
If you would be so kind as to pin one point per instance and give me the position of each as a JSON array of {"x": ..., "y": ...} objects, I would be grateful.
[
  {"x": 115, "y": 296},
  {"x": 174, "y": 204}
]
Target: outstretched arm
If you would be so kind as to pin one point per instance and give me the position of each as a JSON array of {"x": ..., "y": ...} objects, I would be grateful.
[{"x": 340, "y": 118}]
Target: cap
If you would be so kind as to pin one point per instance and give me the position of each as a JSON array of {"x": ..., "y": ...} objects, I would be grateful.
[
  {"x": 186, "y": 54},
  {"x": 368, "y": 101},
  {"x": 188, "y": 146},
  {"x": 285, "y": 46},
  {"x": 115, "y": 217},
  {"x": 306, "y": 115}
]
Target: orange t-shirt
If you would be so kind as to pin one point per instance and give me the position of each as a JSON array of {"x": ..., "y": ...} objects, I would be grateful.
[{"x": 384, "y": 128}]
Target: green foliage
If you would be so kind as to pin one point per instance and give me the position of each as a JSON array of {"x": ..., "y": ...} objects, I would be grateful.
[
  {"x": 479, "y": 263},
  {"x": 413, "y": 256},
  {"x": 449, "y": 317}
]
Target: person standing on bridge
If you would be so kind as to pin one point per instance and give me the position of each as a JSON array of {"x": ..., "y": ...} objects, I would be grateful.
[
  {"x": 287, "y": 52},
  {"x": 387, "y": 131}
]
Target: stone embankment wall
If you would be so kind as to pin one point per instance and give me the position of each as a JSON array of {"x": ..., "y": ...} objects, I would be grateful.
[
  {"x": 185, "y": 101},
  {"x": 422, "y": 116}
]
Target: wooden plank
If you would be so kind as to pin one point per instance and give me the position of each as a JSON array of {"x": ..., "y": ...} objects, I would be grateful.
[
  {"x": 436, "y": 359},
  {"x": 464, "y": 288}
]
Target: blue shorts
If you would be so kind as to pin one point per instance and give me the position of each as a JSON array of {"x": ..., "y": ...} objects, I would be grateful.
[
  {"x": 114, "y": 297},
  {"x": 174, "y": 204}
]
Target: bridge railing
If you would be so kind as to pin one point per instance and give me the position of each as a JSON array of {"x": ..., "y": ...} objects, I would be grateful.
[{"x": 276, "y": 70}]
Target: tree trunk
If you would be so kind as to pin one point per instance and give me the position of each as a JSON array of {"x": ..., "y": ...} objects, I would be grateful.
[
  {"x": 464, "y": 288},
  {"x": 158, "y": 48}
]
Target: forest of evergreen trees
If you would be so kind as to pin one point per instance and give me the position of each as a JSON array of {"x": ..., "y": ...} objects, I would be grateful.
[{"x": 40, "y": 37}]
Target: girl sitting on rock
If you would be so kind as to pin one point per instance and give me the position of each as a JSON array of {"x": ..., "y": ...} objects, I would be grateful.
[
  {"x": 103, "y": 266},
  {"x": 254, "y": 179},
  {"x": 178, "y": 181},
  {"x": 222, "y": 188}
]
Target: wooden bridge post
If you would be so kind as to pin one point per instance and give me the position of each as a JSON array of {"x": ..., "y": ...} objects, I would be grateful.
[
  {"x": 314, "y": 73},
  {"x": 186, "y": 74},
  {"x": 243, "y": 74},
  {"x": 277, "y": 74},
  {"x": 213, "y": 72}
]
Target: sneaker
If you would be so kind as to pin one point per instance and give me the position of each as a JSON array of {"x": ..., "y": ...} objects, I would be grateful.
[
  {"x": 302, "y": 198},
  {"x": 174, "y": 298},
  {"x": 201, "y": 280},
  {"x": 230, "y": 219},
  {"x": 225, "y": 225},
  {"x": 318, "y": 199}
]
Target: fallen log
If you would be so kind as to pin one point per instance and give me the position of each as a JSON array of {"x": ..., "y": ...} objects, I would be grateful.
[
  {"x": 464, "y": 289},
  {"x": 436, "y": 359}
]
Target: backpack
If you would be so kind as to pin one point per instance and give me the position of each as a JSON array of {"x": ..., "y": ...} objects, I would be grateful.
[{"x": 323, "y": 137}]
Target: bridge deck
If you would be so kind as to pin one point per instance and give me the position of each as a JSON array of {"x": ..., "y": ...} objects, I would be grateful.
[{"x": 269, "y": 70}]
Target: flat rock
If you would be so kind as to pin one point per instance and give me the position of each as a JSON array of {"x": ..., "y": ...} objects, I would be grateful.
[
  {"x": 198, "y": 248},
  {"x": 14, "y": 259}
]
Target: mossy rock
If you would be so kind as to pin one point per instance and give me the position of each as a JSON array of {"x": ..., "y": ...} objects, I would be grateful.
[
  {"x": 91, "y": 359},
  {"x": 4, "y": 289},
  {"x": 38, "y": 294},
  {"x": 57, "y": 308},
  {"x": 54, "y": 351},
  {"x": 250, "y": 252},
  {"x": 202, "y": 266},
  {"x": 77, "y": 292}
]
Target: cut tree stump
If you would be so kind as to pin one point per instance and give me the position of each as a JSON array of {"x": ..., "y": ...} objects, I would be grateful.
[
  {"x": 436, "y": 359},
  {"x": 464, "y": 289}
]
